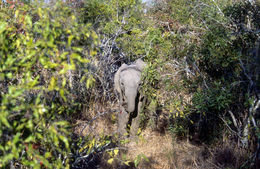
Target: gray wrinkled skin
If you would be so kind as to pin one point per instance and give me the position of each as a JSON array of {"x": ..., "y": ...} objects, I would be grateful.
[{"x": 127, "y": 82}]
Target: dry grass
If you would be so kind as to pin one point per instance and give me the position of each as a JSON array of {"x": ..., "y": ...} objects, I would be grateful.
[
  {"x": 165, "y": 153},
  {"x": 162, "y": 151},
  {"x": 154, "y": 146},
  {"x": 98, "y": 121}
]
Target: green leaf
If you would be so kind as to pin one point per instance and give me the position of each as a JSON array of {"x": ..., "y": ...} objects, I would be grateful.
[
  {"x": 47, "y": 155},
  {"x": 116, "y": 151},
  {"x": 137, "y": 160},
  {"x": 70, "y": 39},
  {"x": 127, "y": 163},
  {"x": 29, "y": 124},
  {"x": 145, "y": 158},
  {"x": 89, "y": 82},
  {"x": 2, "y": 27},
  {"x": 65, "y": 140},
  {"x": 53, "y": 83},
  {"x": 28, "y": 20},
  {"x": 62, "y": 94},
  {"x": 29, "y": 139},
  {"x": 16, "y": 138},
  {"x": 5, "y": 121}
]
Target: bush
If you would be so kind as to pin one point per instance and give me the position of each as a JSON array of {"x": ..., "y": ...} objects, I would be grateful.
[
  {"x": 41, "y": 47},
  {"x": 210, "y": 65}
]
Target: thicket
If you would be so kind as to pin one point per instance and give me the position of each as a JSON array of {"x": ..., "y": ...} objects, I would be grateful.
[
  {"x": 215, "y": 57},
  {"x": 58, "y": 58},
  {"x": 43, "y": 47}
]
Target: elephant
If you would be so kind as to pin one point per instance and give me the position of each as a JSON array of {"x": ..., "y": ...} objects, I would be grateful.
[{"x": 127, "y": 82}]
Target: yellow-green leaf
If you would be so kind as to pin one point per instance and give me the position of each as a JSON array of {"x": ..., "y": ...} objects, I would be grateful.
[
  {"x": 110, "y": 161},
  {"x": 2, "y": 26},
  {"x": 52, "y": 84},
  {"x": 116, "y": 151},
  {"x": 70, "y": 39}
]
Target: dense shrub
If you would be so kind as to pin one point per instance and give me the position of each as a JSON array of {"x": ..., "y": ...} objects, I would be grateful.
[
  {"x": 58, "y": 57},
  {"x": 41, "y": 47},
  {"x": 214, "y": 50}
]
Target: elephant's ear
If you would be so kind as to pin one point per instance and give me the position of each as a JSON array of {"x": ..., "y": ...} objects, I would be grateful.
[
  {"x": 116, "y": 78},
  {"x": 140, "y": 64}
]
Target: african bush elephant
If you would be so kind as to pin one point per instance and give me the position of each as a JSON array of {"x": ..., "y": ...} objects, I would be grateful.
[{"x": 127, "y": 82}]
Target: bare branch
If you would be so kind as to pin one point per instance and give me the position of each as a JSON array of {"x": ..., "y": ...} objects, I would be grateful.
[{"x": 234, "y": 119}]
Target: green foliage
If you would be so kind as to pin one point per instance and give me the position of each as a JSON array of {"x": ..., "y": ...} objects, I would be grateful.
[
  {"x": 150, "y": 77},
  {"x": 87, "y": 150},
  {"x": 238, "y": 12},
  {"x": 181, "y": 10},
  {"x": 40, "y": 45},
  {"x": 93, "y": 10},
  {"x": 139, "y": 158},
  {"x": 218, "y": 56},
  {"x": 214, "y": 100},
  {"x": 212, "y": 48},
  {"x": 179, "y": 127},
  {"x": 201, "y": 56}
]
